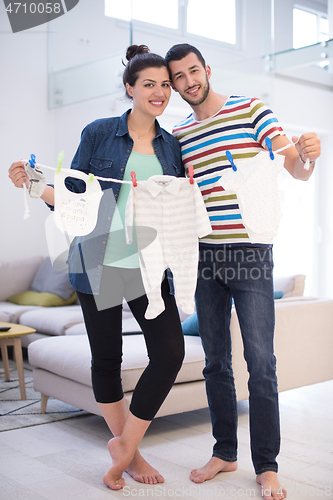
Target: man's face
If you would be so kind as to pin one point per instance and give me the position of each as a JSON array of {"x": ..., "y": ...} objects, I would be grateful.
[{"x": 190, "y": 79}]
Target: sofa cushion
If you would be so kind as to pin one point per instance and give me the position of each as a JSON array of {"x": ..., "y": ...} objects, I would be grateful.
[
  {"x": 43, "y": 299},
  {"x": 51, "y": 281},
  {"x": 4, "y": 317},
  {"x": 190, "y": 325},
  {"x": 17, "y": 276},
  {"x": 78, "y": 329},
  {"x": 52, "y": 320},
  {"x": 69, "y": 357},
  {"x": 130, "y": 326},
  {"x": 14, "y": 311}
]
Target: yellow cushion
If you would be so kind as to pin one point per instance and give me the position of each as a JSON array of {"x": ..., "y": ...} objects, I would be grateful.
[{"x": 44, "y": 299}]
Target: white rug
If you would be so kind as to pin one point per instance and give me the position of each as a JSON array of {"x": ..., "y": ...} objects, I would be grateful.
[{"x": 15, "y": 413}]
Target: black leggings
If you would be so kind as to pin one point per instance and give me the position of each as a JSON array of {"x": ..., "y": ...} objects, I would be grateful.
[{"x": 163, "y": 336}]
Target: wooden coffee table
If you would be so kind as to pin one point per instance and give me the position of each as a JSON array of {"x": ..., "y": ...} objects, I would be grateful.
[{"x": 12, "y": 338}]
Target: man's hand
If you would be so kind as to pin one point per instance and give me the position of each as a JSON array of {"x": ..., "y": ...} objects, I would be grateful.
[{"x": 308, "y": 146}]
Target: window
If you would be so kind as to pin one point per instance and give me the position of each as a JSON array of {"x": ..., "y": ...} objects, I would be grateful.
[
  {"x": 144, "y": 10},
  {"x": 217, "y": 22},
  {"x": 309, "y": 27}
]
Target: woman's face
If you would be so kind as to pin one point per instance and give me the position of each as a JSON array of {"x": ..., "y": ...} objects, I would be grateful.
[{"x": 151, "y": 92}]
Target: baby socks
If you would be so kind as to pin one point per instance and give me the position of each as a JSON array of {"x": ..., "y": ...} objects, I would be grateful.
[{"x": 37, "y": 181}]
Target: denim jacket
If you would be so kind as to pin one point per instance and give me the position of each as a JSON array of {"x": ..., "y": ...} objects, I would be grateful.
[{"x": 104, "y": 151}]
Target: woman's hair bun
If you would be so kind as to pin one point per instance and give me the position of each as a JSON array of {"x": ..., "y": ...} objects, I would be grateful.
[
  {"x": 135, "y": 50},
  {"x": 139, "y": 58}
]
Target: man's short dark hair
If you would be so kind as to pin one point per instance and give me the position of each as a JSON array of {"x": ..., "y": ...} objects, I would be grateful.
[{"x": 181, "y": 50}]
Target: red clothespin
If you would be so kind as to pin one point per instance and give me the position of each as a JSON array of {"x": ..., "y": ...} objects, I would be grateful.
[
  {"x": 133, "y": 175},
  {"x": 191, "y": 173}
]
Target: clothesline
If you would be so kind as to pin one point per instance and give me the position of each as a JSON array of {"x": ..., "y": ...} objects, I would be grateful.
[
  {"x": 121, "y": 181},
  {"x": 70, "y": 171}
]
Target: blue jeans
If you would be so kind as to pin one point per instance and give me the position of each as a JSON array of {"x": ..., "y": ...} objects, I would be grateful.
[{"x": 245, "y": 275}]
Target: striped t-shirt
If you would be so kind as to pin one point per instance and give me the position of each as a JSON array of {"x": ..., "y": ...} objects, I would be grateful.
[{"x": 241, "y": 127}]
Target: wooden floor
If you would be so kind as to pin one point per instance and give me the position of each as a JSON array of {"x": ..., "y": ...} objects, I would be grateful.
[{"x": 66, "y": 460}]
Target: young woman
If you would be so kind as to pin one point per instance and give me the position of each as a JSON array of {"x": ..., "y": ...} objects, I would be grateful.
[{"x": 103, "y": 269}]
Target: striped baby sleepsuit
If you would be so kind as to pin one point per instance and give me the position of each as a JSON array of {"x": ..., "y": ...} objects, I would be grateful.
[{"x": 175, "y": 209}]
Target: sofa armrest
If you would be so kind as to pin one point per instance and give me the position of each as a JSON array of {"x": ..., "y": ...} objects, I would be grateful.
[{"x": 291, "y": 286}]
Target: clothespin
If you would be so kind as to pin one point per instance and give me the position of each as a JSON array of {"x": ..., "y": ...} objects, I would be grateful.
[
  {"x": 133, "y": 175},
  {"x": 191, "y": 173},
  {"x": 230, "y": 158},
  {"x": 269, "y": 145},
  {"x": 91, "y": 178},
  {"x": 60, "y": 159},
  {"x": 32, "y": 161}
]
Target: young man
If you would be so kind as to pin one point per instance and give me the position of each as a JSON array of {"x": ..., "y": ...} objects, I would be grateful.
[{"x": 231, "y": 267}]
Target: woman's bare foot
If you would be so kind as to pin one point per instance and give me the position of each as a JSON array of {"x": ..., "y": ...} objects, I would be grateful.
[
  {"x": 137, "y": 467},
  {"x": 111, "y": 482},
  {"x": 121, "y": 458},
  {"x": 271, "y": 489},
  {"x": 212, "y": 467},
  {"x": 141, "y": 471}
]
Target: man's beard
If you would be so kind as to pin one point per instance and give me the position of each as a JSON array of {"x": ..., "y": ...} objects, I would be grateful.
[{"x": 194, "y": 102}]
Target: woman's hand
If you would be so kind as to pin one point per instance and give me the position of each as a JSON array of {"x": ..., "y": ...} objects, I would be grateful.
[{"x": 18, "y": 175}]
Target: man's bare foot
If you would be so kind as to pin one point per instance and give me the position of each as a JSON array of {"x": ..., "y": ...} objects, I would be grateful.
[
  {"x": 271, "y": 489},
  {"x": 212, "y": 467},
  {"x": 121, "y": 458},
  {"x": 141, "y": 471}
]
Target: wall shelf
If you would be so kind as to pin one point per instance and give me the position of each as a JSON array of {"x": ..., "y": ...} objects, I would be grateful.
[{"x": 312, "y": 64}]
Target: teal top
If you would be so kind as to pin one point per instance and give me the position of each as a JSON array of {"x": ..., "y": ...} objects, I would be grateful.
[{"x": 118, "y": 253}]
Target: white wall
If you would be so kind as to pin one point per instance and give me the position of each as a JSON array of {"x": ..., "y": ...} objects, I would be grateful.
[{"x": 28, "y": 126}]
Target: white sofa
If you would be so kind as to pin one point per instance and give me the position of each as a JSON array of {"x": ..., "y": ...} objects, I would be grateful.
[
  {"x": 61, "y": 355},
  {"x": 18, "y": 276}
]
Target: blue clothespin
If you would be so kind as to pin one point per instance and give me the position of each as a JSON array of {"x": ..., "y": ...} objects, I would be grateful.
[
  {"x": 230, "y": 158},
  {"x": 32, "y": 161},
  {"x": 269, "y": 145}
]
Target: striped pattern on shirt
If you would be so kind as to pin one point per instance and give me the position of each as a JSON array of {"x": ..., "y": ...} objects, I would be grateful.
[{"x": 241, "y": 127}]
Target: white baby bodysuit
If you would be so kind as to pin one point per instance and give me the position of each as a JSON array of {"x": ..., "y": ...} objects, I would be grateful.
[
  {"x": 176, "y": 210},
  {"x": 256, "y": 186}
]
